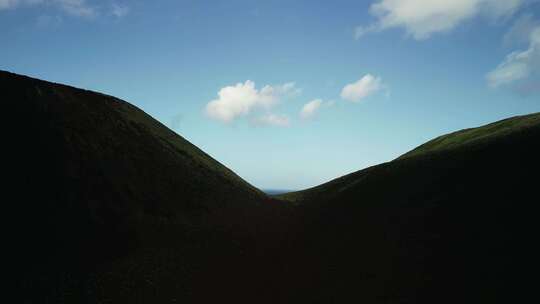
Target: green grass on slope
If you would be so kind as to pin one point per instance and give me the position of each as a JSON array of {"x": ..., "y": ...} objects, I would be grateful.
[
  {"x": 461, "y": 139},
  {"x": 454, "y": 224},
  {"x": 476, "y": 135}
]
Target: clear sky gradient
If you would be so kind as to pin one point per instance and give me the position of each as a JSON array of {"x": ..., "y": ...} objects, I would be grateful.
[{"x": 290, "y": 94}]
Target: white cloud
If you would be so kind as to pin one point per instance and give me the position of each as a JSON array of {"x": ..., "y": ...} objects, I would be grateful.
[
  {"x": 273, "y": 120},
  {"x": 362, "y": 88},
  {"x": 422, "y": 18},
  {"x": 241, "y": 99},
  {"x": 7, "y": 4},
  {"x": 518, "y": 65},
  {"x": 77, "y": 8},
  {"x": 119, "y": 10},
  {"x": 360, "y": 31},
  {"x": 72, "y": 7},
  {"x": 521, "y": 30},
  {"x": 310, "y": 108}
]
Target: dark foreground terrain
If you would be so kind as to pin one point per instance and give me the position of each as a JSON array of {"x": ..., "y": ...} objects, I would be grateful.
[{"x": 107, "y": 205}]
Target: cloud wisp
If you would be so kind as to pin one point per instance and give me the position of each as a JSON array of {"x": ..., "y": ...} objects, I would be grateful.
[
  {"x": 421, "y": 18},
  {"x": 364, "y": 87},
  {"x": 271, "y": 119},
  {"x": 10, "y": 4},
  {"x": 76, "y": 8},
  {"x": 242, "y": 99},
  {"x": 119, "y": 10},
  {"x": 521, "y": 30},
  {"x": 518, "y": 65},
  {"x": 310, "y": 109}
]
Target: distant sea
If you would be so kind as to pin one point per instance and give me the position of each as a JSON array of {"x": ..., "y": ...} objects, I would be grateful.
[{"x": 276, "y": 191}]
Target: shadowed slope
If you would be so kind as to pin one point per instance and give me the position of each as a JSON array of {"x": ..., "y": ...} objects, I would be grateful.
[
  {"x": 449, "y": 223},
  {"x": 494, "y": 135},
  {"x": 105, "y": 194},
  {"x": 108, "y": 205},
  {"x": 113, "y": 163}
]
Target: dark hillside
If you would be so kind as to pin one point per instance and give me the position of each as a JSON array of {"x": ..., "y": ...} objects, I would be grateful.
[
  {"x": 105, "y": 194},
  {"x": 448, "y": 225},
  {"x": 106, "y": 205}
]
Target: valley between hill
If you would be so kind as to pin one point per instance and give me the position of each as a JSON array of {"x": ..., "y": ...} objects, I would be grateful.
[{"x": 110, "y": 206}]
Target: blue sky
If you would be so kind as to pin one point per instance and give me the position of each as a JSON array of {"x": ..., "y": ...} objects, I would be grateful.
[{"x": 290, "y": 94}]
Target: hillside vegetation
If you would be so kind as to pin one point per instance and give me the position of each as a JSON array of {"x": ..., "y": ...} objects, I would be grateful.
[
  {"x": 107, "y": 205},
  {"x": 478, "y": 136},
  {"x": 449, "y": 222}
]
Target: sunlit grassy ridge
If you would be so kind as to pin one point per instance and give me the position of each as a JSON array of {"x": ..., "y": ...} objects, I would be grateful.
[
  {"x": 466, "y": 139},
  {"x": 475, "y": 136}
]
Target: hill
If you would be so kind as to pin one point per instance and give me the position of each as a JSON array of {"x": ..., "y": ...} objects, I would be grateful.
[
  {"x": 451, "y": 221},
  {"x": 104, "y": 195},
  {"x": 106, "y": 205},
  {"x": 478, "y": 136}
]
